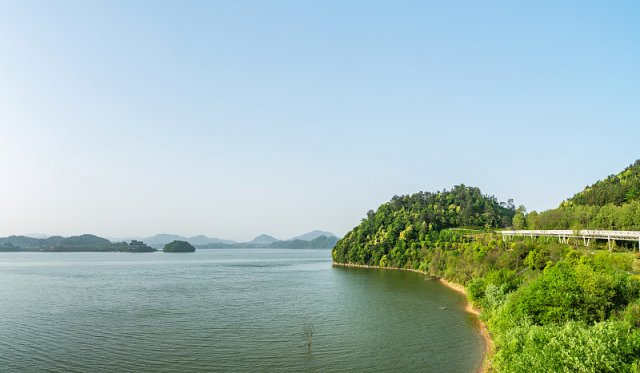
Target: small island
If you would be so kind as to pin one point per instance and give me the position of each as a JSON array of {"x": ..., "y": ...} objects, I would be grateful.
[{"x": 178, "y": 247}]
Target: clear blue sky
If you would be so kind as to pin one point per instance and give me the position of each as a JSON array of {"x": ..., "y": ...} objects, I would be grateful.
[{"x": 130, "y": 118}]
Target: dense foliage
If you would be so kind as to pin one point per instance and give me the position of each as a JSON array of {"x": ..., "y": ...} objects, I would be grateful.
[
  {"x": 615, "y": 189},
  {"x": 623, "y": 217},
  {"x": 550, "y": 307},
  {"x": 579, "y": 314},
  {"x": 395, "y": 233},
  {"x": 612, "y": 203},
  {"x": 609, "y": 346},
  {"x": 178, "y": 247}
]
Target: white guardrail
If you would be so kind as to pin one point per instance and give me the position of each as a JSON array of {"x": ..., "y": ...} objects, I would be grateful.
[{"x": 585, "y": 234}]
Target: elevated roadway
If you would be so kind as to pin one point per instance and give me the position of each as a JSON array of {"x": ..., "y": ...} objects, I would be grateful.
[{"x": 586, "y": 235}]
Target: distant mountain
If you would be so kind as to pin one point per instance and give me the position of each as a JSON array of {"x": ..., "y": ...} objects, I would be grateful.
[
  {"x": 322, "y": 242},
  {"x": 38, "y": 235},
  {"x": 89, "y": 242},
  {"x": 85, "y": 242},
  {"x": 22, "y": 241},
  {"x": 263, "y": 239},
  {"x": 163, "y": 239},
  {"x": 204, "y": 240},
  {"x": 312, "y": 235}
]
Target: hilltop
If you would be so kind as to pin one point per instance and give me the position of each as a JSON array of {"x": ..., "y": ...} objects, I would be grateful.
[
  {"x": 396, "y": 231},
  {"x": 617, "y": 189},
  {"x": 612, "y": 203},
  {"x": 312, "y": 235},
  {"x": 263, "y": 239},
  {"x": 178, "y": 247},
  {"x": 320, "y": 242}
]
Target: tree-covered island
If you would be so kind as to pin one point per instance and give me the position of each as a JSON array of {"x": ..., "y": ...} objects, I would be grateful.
[
  {"x": 178, "y": 247},
  {"x": 82, "y": 243},
  {"x": 549, "y": 307}
]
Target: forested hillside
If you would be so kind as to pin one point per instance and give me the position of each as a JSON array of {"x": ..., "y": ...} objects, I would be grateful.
[
  {"x": 615, "y": 189},
  {"x": 549, "y": 307},
  {"x": 612, "y": 203},
  {"x": 399, "y": 229}
]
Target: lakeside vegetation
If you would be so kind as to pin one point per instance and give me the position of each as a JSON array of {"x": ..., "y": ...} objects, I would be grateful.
[{"x": 549, "y": 306}]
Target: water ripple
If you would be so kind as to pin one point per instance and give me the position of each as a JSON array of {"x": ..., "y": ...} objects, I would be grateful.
[{"x": 225, "y": 310}]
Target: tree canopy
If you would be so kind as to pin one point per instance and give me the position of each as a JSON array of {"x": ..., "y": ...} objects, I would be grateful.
[
  {"x": 550, "y": 306},
  {"x": 612, "y": 203},
  {"x": 396, "y": 231},
  {"x": 178, "y": 247},
  {"x": 615, "y": 189}
]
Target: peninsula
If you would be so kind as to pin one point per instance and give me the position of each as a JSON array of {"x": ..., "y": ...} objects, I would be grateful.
[{"x": 549, "y": 304}]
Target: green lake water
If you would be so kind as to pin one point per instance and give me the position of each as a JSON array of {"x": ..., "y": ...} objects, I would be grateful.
[{"x": 241, "y": 310}]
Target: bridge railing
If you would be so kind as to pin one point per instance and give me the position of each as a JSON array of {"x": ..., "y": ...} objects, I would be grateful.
[{"x": 586, "y": 234}]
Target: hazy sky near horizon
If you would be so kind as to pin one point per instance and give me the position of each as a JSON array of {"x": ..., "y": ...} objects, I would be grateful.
[{"x": 234, "y": 118}]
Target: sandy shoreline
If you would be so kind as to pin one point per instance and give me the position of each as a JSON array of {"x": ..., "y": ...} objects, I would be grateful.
[{"x": 488, "y": 342}]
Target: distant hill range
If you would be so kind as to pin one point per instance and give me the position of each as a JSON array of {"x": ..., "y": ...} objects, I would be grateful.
[
  {"x": 312, "y": 235},
  {"x": 311, "y": 240},
  {"x": 320, "y": 242},
  {"x": 85, "y": 242},
  {"x": 316, "y": 239},
  {"x": 263, "y": 239},
  {"x": 88, "y": 242},
  {"x": 163, "y": 239}
]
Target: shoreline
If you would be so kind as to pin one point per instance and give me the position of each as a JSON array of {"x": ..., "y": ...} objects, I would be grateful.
[{"x": 469, "y": 308}]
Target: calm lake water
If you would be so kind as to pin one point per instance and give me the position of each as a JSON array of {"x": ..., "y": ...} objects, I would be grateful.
[{"x": 226, "y": 310}]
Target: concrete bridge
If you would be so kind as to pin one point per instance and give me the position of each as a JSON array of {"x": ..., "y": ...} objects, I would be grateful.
[{"x": 585, "y": 234}]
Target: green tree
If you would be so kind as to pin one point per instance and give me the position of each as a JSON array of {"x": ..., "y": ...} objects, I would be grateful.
[{"x": 520, "y": 218}]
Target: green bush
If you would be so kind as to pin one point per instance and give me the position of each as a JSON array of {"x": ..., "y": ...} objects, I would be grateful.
[
  {"x": 610, "y": 346},
  {"x": 475, "y": 289},
  {"x": 564, "y": 292}
]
